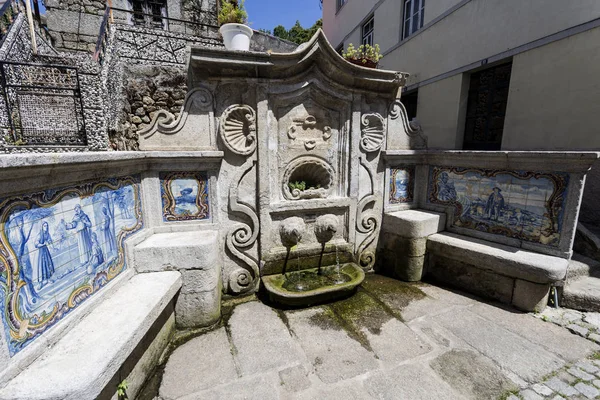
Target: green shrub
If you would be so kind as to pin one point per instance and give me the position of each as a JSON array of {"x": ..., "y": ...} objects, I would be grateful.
[{"x": 232, "y": 12}]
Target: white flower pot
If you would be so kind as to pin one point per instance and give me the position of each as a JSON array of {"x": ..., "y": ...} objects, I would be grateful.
[{"x": 236, "y": 36}]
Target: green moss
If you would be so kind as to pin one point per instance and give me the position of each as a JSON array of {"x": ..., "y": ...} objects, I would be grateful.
[
  {"x": 393, "y": 293},
  {"x": 363, "y": 311},
  {"x": 595, "y": 356},
  {"x": 509, "y": 393}
]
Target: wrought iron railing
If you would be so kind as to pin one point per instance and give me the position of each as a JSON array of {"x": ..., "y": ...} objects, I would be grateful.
[
  {"x": 151, "y": 21},
  {"x": 42, "y": 105}
]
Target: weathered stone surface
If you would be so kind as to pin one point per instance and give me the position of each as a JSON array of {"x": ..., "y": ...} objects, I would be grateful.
[
  {"x": 199, "y": 364},
  {"x": 179, "y": 250},
  {"x": 471, "y": 278},
  {"x": 412, "y": 247},
  {"x": 409, "y": 269},
  {"x": 559, "y": 386},
  {"x": 409, "y": 381},
  {"x": 198, "y": 309},
  {"x": 525, "y": 359},
  {"x": 252, "y": 388},
  {"x": 294, "y": 379},
  {"x": 501, "y": 259},
  {"x": 471, "y": 374},
  {"x": 94, "y": 350},
  {"x": 255, "y": 326},
  {"x": 529, "y": 296},
  {"x": 547, "y": 335},
  {"x": 333, "y": 353},
  {"x": 413, "y": 223}
]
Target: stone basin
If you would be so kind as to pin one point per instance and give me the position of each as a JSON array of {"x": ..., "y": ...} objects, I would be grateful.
[{"x": 278, "y": 293}]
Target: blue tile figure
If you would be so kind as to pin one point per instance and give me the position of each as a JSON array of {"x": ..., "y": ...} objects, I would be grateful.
[
  {"x": 495, "y": 204},
  {"x": 97, "y": 255},
  {"x": 82, "y": 225},
  {"x": 446, "y": 190},
  {"x": 402, "y": 184},
  {"x": 58, "y": 248},
  {"x": 107, "y": 229},
  {"x": 45, "y": 263}
]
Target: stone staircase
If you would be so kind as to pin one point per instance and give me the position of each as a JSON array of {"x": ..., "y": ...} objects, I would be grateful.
[{"x": 582, "y": 288}]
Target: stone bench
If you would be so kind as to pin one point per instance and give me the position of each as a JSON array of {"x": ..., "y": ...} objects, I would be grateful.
[
  {"x": 403, "y": 241},
  {"x": 123, "y": 337},
  {"x": 198, "y": 256},
  {"x": 507, "y": 274}
]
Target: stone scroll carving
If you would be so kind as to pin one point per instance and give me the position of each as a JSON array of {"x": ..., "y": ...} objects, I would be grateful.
[
  {"x": 367, "y": 223},
  {"x": 238, "y": 129},
  {"x": 402, "y": 134},
  {"x": 198, "y": 110},
  {"x": 242, "y": 236},
  {"x": 306, "y": 129},
  {"x": 372, "y": 132}
]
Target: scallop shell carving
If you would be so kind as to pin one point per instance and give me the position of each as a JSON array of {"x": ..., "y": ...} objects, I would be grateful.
[
  {"x": 308, "y": 169},
  {"x": 238, "y": 129},
  {"x": 372, "y": 132}
]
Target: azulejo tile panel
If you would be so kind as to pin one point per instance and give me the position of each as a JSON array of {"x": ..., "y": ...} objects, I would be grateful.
[
  {"x": 58, "y": 247},
  {"x": 402, "y": 184},
  {"x": 524, "y": 205},
  {"x": 184, "y": 196}
]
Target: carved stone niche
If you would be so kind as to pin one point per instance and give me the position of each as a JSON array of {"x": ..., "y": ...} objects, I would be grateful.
[{"x": 308, "y": 178}]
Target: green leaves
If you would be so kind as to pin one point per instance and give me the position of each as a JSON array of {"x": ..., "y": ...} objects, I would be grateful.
[
  {"x": 232, "y": 12},
  {"x": 297, "y": 33},
  {"x": 363, "y": 53}
]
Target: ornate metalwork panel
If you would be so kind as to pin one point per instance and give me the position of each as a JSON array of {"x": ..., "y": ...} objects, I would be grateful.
[{"x": 42, "y": 105}]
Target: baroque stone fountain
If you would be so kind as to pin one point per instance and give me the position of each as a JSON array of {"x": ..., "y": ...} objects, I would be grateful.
[{"x": 302, "y": 175}]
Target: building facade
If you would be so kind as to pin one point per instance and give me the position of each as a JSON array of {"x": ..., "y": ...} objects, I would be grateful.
[{"x": 487, "y": 74}]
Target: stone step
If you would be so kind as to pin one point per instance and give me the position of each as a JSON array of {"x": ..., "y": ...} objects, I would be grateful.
[
  {"x": 587, "y": 241},
  {"x": 84, "y": 361},
  {"x": 582, "y": 294},
  {"x": 582, "y": 266}
]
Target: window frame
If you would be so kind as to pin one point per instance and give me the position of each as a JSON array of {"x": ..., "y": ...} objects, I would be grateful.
[
  {"x": 339, "y": 4},
  {"x": 367, "y": 37},
  {"x": 408, "y": 17}
]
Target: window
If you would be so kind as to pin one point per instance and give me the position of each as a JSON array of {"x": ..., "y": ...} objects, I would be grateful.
[
  {"x": 486, "y": 108},
  {"x": 340, "y": 3},
  {"x": 149, "y": 13},
  {"x": 414, "y": 10},
  {"x": 367, "y": 31},
  {"x": 410, "y": 100}
]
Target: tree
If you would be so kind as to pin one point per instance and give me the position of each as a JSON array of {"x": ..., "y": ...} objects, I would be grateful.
[{"x": 297, "y": 33}]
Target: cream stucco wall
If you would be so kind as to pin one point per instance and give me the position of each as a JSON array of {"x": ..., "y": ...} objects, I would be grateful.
[
  {"x": 483, "y": 28},
  {"x": 440, "y": 111},
  {"x": 337, "y": 25},
  {"x": 554, "y": 98}
]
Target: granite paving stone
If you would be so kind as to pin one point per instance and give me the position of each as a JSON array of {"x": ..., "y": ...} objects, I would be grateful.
[{"x": 588, "y": 391}]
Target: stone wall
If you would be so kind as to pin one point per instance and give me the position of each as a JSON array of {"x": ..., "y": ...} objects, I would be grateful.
[{"x": 149, "y": 89}]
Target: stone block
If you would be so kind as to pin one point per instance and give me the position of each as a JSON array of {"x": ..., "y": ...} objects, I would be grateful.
[
  {"x": 409, "y": 269},
  {"x": 529, "y": 296},
  {"x": 178, "y": 250},
  {"x": 413, "y": 223},
  {"x": 412, "y": 247},
  {"x": 472, "y": 279},
  {"x": 74, "y": 22},
  {"x": 201, "y": 309},
  {"x": 500, "y": 259},
  {"x": 196, "y": 281}
]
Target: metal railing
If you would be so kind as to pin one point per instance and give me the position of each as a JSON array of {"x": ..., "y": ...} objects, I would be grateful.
[{"x": 150, "y": 21}]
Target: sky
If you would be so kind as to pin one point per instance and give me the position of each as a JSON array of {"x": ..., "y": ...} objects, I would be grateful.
[{"x": 267, "y": 14}]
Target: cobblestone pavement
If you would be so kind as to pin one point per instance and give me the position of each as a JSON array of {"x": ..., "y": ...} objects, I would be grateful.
[{"x": 391, "y": 340}]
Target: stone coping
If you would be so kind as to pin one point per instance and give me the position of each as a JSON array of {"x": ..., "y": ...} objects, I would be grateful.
[
  {"x": 566, "y": 161},
  {"x": 502, "y": 259},
  {"x": 83, "y": 362},
  {"x": 216, "y": 62}
]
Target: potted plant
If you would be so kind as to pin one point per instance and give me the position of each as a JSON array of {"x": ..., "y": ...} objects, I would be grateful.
[
  {"x": 365, "y": 56},
  {"x": 232, "y": 18}
]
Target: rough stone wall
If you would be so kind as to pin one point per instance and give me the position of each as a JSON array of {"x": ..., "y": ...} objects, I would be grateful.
[
  {"x": 264, "y": 42},
  {"x": 149, "y": 89}
]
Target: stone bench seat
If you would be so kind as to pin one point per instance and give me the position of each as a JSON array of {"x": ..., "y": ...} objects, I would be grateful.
[
  {"x": 85, "y": 363},
  {"x": 505, "y": 273}
]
